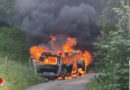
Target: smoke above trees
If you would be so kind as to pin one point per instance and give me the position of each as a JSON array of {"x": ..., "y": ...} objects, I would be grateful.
[{"x": 62, "y": 18}]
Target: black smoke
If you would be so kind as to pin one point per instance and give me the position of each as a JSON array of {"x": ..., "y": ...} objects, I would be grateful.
[{"x": 67, "y": 18}]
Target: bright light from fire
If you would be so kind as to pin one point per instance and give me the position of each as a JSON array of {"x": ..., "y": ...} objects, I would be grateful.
[{"x": 36, "y": 52}]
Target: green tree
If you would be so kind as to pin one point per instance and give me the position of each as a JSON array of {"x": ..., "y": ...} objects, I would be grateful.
[
  {"x": 113, "y": 49},
  {"x": 13, "y": 43}
]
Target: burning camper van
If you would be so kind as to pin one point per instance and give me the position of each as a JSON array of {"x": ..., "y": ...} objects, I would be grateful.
[{"x": 63, "y": 63}]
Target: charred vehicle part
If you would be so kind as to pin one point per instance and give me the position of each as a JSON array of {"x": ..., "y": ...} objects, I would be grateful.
[{"x": 61, "y": 65}]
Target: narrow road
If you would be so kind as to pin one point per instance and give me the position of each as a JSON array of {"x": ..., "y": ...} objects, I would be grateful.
[{"x": 73, "y": 84}]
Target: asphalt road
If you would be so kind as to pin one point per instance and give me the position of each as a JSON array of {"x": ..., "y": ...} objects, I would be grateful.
[{"x": 73, "y": 84}]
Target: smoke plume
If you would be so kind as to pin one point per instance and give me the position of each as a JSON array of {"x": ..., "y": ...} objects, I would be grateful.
[{"x": 62, "y": 18}]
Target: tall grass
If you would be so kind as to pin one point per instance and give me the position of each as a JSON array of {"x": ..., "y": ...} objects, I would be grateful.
[{"x": 18, "y": 75}]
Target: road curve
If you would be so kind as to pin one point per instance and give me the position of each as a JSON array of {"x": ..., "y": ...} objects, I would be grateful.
[{"x": 73, "y": 84}]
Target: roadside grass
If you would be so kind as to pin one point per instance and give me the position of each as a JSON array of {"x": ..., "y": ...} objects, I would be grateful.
[
  {"x": 18, "y": 76},
  {"x": 93, "y": 85}
]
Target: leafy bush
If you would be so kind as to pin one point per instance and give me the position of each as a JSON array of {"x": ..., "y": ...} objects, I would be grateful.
[{"x": 112, "y": 55}]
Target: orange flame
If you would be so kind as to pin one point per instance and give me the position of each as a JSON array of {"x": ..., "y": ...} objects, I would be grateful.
[
  {"x": 36, "y": 52},
  {"x": 69, "y": 44}
]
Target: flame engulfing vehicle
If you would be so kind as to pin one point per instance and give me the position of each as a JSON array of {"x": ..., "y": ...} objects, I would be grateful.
[{"x": 65, "y": 63}]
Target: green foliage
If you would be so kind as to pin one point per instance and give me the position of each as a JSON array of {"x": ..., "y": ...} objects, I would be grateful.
[
  {"x": 113, "y": 50},
  {"x": 108, "y": 19},
  {"x": 18, "y": 76},
  {"x": 13, "y": 43}
]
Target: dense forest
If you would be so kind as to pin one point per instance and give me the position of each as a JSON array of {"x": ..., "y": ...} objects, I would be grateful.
[{"x": 111, "y": 49}]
